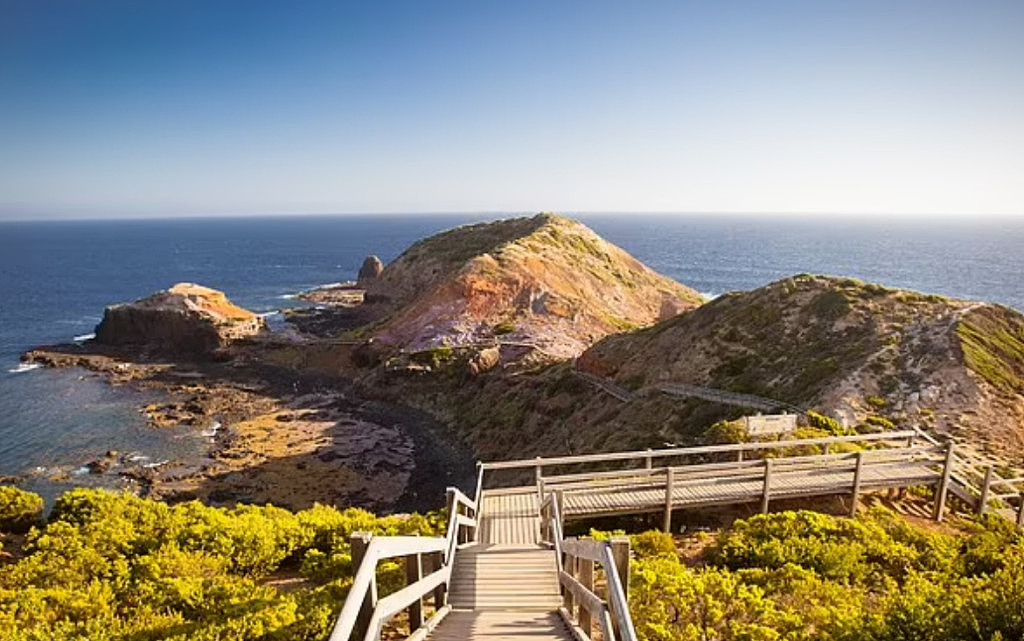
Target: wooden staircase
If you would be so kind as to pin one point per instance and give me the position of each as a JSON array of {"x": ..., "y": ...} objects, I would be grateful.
[{"x": 506, "y": 586}]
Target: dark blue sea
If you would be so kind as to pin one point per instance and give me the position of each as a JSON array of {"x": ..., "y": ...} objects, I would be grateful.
[{"x": 56, "y": 278}]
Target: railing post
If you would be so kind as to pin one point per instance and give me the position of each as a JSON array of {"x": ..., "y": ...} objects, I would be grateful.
[
  {"x": 766, "y": 493},
  {"x": 359, "y": 542},
  {"x": 413, "y": 573},
  {"x": 943, "y": 489},
  {"x": 544, "y": 519},
  {"x": 649, "y": 461},
  {"x": 856, "y": 484},
  {"x": 619, "y": 548},
  {"x": 620, "y": 553},
  {"x": 669, "y": 489},
  {"x": 560, "y": 504},
  {"x": 569, "y": 567},
  {"x": 986, "y": 487},
  {"x": 1020, "y": 511},
  {"x": 441, "y": 591},
  {"x": 585, "y": 568},
  {"x": 538, "y": 470}
]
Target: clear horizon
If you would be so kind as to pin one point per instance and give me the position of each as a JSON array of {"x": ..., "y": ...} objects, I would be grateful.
[{"x": 118, "y": 109}]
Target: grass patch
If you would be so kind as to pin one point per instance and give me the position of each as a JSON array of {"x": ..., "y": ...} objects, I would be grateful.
[{"x": 992, "y": 339}]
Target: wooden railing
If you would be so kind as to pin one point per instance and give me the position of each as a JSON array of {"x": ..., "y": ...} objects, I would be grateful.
[
  {"x": 364, "y": 615},
  {"x": 984, "y": 488},
  {"x": 648, "y": 458},
  {"x": 582, "y": 608},
  {"x": 846, "y": 472}
]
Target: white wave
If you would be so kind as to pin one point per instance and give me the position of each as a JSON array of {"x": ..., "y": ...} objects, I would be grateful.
[
  {"x": 82, "y": 471},
  {"x": 135, "y": 458},
  {"x": 24, "y": 367},
  {"x": 84, "y": 337},
  {"x": 213, "y": 430},
  {"x": 708, "y": 296},
  {"x": 273, "y": 312},
  {"x": 288, "y": 296},
  {"x": 157, "y": 464}
]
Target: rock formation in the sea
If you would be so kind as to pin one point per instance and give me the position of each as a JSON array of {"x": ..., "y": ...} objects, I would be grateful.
[
  {"x": 546, "y": 286},
  {"x": 187, "y": 320},
  {"x": 870, "y": 356},
  {"x": 370, "y": 271}
]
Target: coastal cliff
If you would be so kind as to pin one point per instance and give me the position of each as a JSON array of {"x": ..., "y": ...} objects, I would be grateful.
[{"x": 185, "y": 320}]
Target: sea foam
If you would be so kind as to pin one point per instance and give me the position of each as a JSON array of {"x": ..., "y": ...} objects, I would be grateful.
[{"x": 24, "y": 367}]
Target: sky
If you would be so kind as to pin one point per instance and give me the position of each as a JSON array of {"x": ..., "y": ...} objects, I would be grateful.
[{"x": 175, "y": 107}]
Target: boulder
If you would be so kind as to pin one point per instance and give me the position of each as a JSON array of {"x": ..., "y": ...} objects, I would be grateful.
[
  {"x": 484, "y": 360},
  {"x": 186, "y": 320},
  {"x": 370, "y": 271}
]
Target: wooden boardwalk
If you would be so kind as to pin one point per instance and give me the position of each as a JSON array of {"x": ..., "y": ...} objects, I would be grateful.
[
  {"x": 506, "y": 571},
  {"x": 648, "y": 494},
  {"x": 505, "y": 586},
  {"x": 510, "y": 517}
]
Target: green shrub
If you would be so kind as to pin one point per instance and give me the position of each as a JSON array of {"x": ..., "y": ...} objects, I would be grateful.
[
  {"x": 882, "y": 422},
  {"x": 434, "y": 358},
  {"x": 504, "y": 327},
  {"x": 877, "y": 402},
  {"x": 19, "y": 510},
  {"x": 725, "y": 432},
  {"x": 115, "y": 566},
  {"x": 826, "y": 423}
]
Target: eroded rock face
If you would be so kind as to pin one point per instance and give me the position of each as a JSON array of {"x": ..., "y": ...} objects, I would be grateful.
[
  {"x": 546, "y": 282},
  {"x": 370, "y": 271},
  {"x": 187, "y": 320}
]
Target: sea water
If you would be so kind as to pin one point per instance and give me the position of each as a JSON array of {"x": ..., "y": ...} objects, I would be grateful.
[{"x": 56, "y": 278}]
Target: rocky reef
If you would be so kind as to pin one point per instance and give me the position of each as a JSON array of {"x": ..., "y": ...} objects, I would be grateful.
[{"x": 187, "y": 320}]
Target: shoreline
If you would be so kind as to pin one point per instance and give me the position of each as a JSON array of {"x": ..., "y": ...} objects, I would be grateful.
[{"x": 278, "y": 435}]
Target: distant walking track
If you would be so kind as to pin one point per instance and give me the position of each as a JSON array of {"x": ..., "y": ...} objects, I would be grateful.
[{"x": 684, "y": 390}]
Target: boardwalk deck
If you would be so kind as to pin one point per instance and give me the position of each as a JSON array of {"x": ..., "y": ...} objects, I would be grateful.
[
  {"x": 506, "y": 586},
  {"x": 511, "y": 517},
  {"x": 648, "y": 495}
]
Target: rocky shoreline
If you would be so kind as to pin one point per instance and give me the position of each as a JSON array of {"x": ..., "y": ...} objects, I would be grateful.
[{"x": 277, "y": 435}]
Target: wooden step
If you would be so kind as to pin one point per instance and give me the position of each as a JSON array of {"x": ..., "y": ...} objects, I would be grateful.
[{"x": 489, "y": 625}]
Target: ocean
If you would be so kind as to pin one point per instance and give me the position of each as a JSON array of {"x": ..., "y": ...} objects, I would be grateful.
[{"x": 56, "y": 278}]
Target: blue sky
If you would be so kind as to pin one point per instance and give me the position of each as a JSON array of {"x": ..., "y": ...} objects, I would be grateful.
[{"x": 219, "y": 107}]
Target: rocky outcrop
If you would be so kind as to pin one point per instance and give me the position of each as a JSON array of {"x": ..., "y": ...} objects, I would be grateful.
[
  {"x": 546, "y": 283},
  {"x": 187, "y": 320},
  {"x": 370, "y": 271}
]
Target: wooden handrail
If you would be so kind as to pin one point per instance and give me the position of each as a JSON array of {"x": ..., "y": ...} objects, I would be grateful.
[
  {"x": 685, "y": 451},
  {"x": 594, "y": 552},
  {"x": 386, "y": 547}
]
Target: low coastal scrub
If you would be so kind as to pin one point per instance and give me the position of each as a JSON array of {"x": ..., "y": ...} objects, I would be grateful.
[
  {"x": 804, "y": 576},
  {"x": 19, "y": 510},
  {"x": 109, "y": 566},
  {"x": 114, "y": 566}
]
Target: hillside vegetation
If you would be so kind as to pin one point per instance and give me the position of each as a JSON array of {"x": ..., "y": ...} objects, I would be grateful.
[
  {"x": 866, "y": 355},
  {"x": 803, "y": 576},
  {"x": 116, "y": 567}
]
